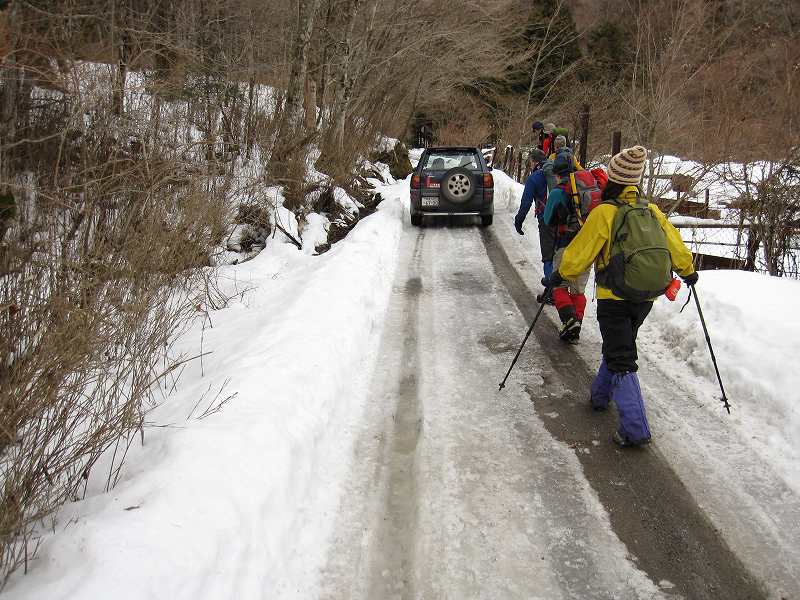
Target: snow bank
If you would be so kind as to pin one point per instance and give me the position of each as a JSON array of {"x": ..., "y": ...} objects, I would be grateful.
[
  {"x": 238, "y": 502},
  {"x": 507, "y": 192},
  {"x": 754, "y": 334}
]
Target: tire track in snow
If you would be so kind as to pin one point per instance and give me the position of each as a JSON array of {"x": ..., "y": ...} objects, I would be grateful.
[
  {"x": 393, "y": 558},
  {"x": 649, "y": 508},
  {"x": 373, "y": 548}
]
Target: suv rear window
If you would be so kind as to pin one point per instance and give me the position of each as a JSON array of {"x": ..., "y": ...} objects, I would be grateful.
[{"x": 447, "y": 159}]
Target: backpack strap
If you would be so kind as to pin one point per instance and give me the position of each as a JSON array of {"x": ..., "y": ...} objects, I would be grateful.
[
  {"x": 618, "y": 203},
  {"x": 576, "y": 200}
]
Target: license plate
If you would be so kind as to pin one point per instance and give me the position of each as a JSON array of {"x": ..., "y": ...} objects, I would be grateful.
[{"x": 430, "y": 201}]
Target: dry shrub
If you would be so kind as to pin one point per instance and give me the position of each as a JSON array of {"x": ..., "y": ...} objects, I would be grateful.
[
  {"x": 397, "y": 159},
  {"x": 255, "y": 215},
  {"x": 104, "y": 223},
  {"x": 339, "y": 157},
  {"x": 466, "y": 124}
]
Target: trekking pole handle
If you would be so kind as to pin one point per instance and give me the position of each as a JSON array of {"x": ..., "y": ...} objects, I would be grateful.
[{"x": 724, "y": 398}]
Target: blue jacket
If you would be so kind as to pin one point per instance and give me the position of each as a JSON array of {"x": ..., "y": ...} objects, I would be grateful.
[{"x": 535, "y": 189}]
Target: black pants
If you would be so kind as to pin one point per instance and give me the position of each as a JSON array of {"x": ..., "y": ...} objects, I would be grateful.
[
  {"x": 619, "y": 322},
  {"x": 547, "y": 240}
]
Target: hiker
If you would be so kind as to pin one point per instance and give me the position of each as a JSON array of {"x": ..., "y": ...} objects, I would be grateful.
[
  {"x": 568, "y": 205},
  {"x": 538, "y": 134},
  {"x": 633, "y": 263},
  {"x": 536, "y": 192},
  {"x": 549, "y": 137},
  {"x": 560, "y": 145}
]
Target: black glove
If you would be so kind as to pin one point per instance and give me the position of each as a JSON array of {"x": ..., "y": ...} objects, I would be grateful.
[
  {"x": 518, "y": 227},
  {"x": 691, "y": 278},
  {"x": 555, "y": 279}
]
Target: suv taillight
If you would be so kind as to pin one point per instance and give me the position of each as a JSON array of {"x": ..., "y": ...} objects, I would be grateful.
[
  {"x": 415, "y": 182},
  {"x": 488, "y": 180}
]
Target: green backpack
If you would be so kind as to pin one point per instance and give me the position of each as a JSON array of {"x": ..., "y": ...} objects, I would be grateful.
[{"x": 640, "y": 267}]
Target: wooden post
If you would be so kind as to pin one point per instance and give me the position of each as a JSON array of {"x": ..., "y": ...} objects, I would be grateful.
[
  {"x": 584, "y": 133},
  {"x": 705, "y": 214},
  {"x": 519, "y": 166},
  {"x": 616, "y": 143}
]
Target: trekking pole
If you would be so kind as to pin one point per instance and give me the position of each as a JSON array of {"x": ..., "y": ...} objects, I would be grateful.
[
  {"x": 546, "y": 293},
  {"x": 724, "y": 399}
]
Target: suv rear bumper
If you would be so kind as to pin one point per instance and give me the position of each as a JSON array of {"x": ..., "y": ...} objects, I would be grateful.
[
  {"x": 480, "y": 207},
  {"x": 482, "y": 213}
]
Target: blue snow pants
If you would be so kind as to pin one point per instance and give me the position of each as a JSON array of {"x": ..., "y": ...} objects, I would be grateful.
[{"x": 616, "y": 379}]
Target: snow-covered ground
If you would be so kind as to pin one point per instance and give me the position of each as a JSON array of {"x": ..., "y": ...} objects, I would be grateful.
[
  {"x": 239, "y": 502},
  {"x": 756, "y": 341}
]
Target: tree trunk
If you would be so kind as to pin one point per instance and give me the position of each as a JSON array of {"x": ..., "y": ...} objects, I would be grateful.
[
  {"x": 322, "y": 84},
  {"x": 293, "y": 106},
  {"x": 753, "y": 242},
  {"x": 292, "y": 118},
  {"x": 9, "y": 98},
  {"x": 310, "y": 103},
  {"x": 344, "y": 88},
  {"x": 118, "y": 98}
]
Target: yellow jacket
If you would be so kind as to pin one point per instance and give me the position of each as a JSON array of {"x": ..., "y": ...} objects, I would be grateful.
[{"x": 593, "y": 244}]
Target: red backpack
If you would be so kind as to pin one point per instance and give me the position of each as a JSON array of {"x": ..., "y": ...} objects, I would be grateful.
[
  {"x": 600, "y": 176},
  {"x": 584, "y": 193}
]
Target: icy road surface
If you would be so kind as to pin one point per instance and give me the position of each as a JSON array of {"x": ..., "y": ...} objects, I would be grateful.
[{"x": 461, "y": 491}]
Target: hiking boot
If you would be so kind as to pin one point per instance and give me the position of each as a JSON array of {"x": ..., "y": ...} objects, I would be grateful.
[
  {"x": 571, "y": 330},
  {"x": 624, "y": 442}
]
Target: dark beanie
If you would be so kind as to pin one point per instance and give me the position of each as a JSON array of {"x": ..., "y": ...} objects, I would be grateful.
[
  {"x": 563, "y": 163},
  {"x": 538, "y": 155}
]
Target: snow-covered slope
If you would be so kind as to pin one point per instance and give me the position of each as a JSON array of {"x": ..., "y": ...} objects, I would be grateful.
[
  {"x": 756, "y": 340},
  {"x": 236, "y": 503}
]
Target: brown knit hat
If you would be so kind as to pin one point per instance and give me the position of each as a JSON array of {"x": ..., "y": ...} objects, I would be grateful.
[{"x": 627, "y": 167}]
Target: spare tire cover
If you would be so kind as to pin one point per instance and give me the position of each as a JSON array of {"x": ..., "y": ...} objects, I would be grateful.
[{"x": 458, "y": 185}]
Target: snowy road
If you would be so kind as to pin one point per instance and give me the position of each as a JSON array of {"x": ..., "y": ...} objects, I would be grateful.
[
  {"x": 460, "y": 491},
  {"x": 366, "y": 451}
]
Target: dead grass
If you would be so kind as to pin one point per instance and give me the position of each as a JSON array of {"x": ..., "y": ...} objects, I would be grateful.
[{"x": 106, "y": 229}]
